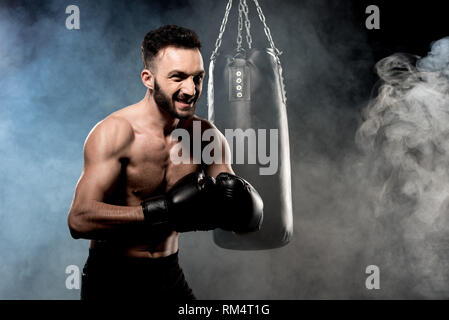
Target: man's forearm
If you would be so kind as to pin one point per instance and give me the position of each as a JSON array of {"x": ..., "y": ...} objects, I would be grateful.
[{"x": 98, "y": 220}]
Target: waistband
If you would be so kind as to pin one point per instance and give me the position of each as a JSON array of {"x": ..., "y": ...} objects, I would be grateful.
[{"x": 106, "y": 254}]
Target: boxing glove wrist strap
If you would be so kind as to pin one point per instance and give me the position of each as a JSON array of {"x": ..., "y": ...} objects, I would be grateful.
[{"x": 155, "y": 210}]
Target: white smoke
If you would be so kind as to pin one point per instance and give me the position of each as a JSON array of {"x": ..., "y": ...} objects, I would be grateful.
[{"x": 406, "y": 137}]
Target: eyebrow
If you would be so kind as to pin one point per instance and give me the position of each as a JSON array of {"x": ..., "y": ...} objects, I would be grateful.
[{"x": 182, "y": 73}]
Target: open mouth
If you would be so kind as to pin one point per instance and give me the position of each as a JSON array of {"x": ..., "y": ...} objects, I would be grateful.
[{"x": 185, "y": 104}]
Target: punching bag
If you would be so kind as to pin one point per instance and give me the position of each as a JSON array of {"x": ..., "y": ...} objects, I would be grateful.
[{"x": 246, "y": 93}]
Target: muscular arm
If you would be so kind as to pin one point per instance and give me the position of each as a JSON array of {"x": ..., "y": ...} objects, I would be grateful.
[
  {"x": 226, "y": 180},
  {"x": 90, "y": 217},
  {"x": 224, "y": 165}
]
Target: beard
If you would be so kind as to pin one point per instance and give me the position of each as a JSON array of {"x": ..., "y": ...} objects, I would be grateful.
[{"x": 168, "y": 104}]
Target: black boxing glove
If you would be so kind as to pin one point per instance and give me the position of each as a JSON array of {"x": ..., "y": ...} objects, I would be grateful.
[
  {"x": 188, "y": 206},
  {"x": 240, "y": 205}
]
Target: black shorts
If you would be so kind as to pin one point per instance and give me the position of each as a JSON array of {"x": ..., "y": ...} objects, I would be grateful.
[{"x": 109, "y": 276}]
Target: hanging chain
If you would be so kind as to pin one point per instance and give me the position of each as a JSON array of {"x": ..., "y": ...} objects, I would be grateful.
[
  {"x": 240, "y": 27},
  {"x": 243, "y": 9},
  {"x": 249, "y": 40},
  {"x": 266, "y": 29},
  {"x": 222, "y": 30}
]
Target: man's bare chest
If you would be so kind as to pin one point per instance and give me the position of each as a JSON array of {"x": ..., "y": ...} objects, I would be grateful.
[{"x": 149, "y": 169}]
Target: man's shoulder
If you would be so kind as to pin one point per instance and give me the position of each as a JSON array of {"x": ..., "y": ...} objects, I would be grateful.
[
  {"x": 115, "y": 124},
  {"x": 205, "y": 124},
  {"x": 113, "y": 133}
]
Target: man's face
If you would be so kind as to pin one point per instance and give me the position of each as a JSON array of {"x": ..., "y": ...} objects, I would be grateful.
[{"x": 178, "y": 80}]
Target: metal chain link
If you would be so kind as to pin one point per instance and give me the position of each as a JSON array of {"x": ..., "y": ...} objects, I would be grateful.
[
  {"x": 249, "y": 40},
  {"x": 222, "y": 30},
  {"x": 243, "y": 8},
  {"x": 266, "y": 29},
  {"x": 240, "y": 27}
]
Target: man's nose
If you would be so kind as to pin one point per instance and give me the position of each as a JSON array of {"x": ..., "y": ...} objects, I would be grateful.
[{"x": 188, "y": 87}]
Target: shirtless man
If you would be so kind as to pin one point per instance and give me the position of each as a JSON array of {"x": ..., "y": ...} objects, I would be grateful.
[{"x": 132, "y": 201}]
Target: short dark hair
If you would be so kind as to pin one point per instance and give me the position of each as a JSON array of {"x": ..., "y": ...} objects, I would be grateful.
[{"x": 168, "y": 35}]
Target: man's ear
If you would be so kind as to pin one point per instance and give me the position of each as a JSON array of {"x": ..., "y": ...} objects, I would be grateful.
[{"x": 147, "y": 79}]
